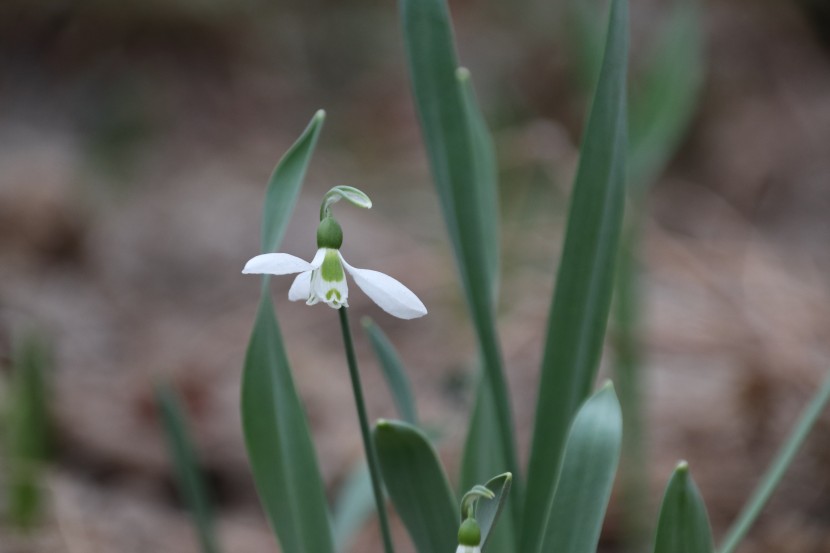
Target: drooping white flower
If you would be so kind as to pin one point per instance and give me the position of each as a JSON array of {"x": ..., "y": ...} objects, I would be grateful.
[{"x": 323, "y": 280}]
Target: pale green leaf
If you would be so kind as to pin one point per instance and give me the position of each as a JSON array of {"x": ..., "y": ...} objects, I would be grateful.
[
  {"x": 460, "y": 157},
  {"x": 579, "y": 311},
  {"x": 285, "y": 183},
  {"x": 573, "y": 520},
  {"x": 393, "y": 371},
  {"x": 417, "y": 485},
  {"x": 683, "y": 526},
  {"x": 279, "y": 443}
]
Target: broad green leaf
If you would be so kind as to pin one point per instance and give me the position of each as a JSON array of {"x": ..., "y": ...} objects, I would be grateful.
[
  {"x": 393, "y": 371},
  {"x": 663, "y": 103},
  {"x": 417, "y": 485},
  {"x": 775, "y": 473},
  {"x": 279, "y": 442},
  {"x": 460, "y": 157},
  {"x": 354, "y": 505},
  {"x": 488, "y": 511},
  {"x": 683, "y": 526},
  {"x": 285, "y": 183},
  {"x": 28, "y": 436},
  {"x": 482, "y": 457},
  {"x": 581, "y": 302},
  {"x": 574, "y": 517},
  {"x": 190, "y": 479}
]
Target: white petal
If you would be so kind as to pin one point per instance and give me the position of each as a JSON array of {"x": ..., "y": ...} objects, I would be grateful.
[
  {"x": 276, "y": 264},
  {"x": 390, "y": 295},
  {"x": 301, "y": 287},
  {"x": 318, "y": 258}
]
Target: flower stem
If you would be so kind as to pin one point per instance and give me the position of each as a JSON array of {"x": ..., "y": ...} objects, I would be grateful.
[{"x": 368, "y": 446}]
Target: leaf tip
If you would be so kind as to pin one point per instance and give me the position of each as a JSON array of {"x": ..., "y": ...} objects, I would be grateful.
[
  {"x": 319, "y": 116},
  {"x": 462, "y": 74},
  {"x": 682, "y": 466}
]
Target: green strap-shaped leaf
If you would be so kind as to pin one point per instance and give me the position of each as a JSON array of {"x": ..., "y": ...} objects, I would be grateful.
[
  {"x": 279, "y": 442},
  {"x": 285, "y": 183},
  {"x": 462, "y": 168},
  {"x": 683, "y": 526},
  {"x": 393, "y": 371},
  {"x": 579, "y": 310},
  {"x": 777, "y": 469},
  {"x": 573, "y": 520},
  {"x": 190, "y": 479},
  {"x": 276, "y": 431},
  {"x": 417, "y": 485}
]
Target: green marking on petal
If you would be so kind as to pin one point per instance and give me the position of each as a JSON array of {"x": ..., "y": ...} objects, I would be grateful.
[
  {"x": 332, "y": 270},
  {"x": 332, "y": 293}
]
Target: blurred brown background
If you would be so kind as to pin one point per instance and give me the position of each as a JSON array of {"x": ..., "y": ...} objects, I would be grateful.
[{"x": 136, "y": 139}]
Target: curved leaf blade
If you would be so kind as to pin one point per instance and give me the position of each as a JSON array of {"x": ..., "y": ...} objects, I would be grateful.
[
  {"x": 461, "y": 161},
  {"x": 592, "y": 453},
  {"x": 285, "y": 183},
  {"x": 278, "y": 439},
  {"x": 393, "y": 371},
  {"x": 683, "y": 526},
  {"x": 417, "y": 485},
  {"x": 777, "y": 469},
  {"x": 190, "y": 478},
  {"x": 579, "y": 311}
]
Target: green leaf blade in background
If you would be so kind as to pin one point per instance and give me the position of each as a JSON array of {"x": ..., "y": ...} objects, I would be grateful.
[
  {"x": 461, "y": 160},
  {"x": 777, "y": 469},
  {"x": 190, "y": 479},
  {"x": 278, "y": 439},
  {"x": 576, "y": 512},
  {"x": 28, "y": 436},
  {"x": 683, "y": 526},
  {"x": 393, "y": 371},
  {"x": 584, "y": 285},
  {"x": 666, "y": 99},
  {"x": 355, "y": 503},
  {"x": 285, "y": 183},
  {"x": 417, "y": 485}
]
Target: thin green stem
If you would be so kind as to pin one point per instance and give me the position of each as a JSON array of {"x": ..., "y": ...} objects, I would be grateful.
[
  {"x": 368, "y": 447},
  {"x": 777, "y": 470}
]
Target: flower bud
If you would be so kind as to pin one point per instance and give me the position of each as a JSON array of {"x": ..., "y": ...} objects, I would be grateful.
[
  {"x": 469, "y": 534},
  {"x": 329, "y": 234}
]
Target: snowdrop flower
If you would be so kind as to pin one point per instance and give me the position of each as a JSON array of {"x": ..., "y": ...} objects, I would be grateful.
[{"x": 323, "y": 278}]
